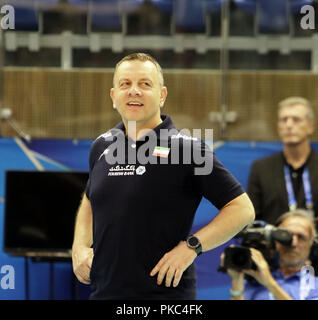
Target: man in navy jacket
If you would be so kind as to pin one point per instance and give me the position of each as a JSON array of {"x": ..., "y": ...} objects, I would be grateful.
[{"x": 143, "y": 190}]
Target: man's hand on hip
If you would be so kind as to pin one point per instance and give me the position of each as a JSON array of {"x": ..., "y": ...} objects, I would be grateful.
[
  {"x": 82, "y": 258},
  {"x": 173, "y": 264}
]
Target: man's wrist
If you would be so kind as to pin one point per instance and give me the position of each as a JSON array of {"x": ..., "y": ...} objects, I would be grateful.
[
  {"x": 194, "y": 243},
  {"x": 79, "y": 247},
  {"x": 236, "y": 293},
  {"x": 238, "y": 282},
  {"x": 271, "y": 285},
  {"x": 237, "y": 290},
  {"x": 190, "y": 250}
]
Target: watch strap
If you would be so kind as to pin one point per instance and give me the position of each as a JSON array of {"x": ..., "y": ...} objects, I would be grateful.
[{"x": 198, "y": 250}]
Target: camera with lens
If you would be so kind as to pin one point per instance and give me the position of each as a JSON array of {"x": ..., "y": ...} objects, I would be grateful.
[{"x": 260, "y": 236}]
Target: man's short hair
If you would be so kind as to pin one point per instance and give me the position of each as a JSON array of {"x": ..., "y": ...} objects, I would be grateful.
[
  {"x": 292, "y": 101},
  {"x": 299, "y": 213},
  {"x": 143, "y": 57}
]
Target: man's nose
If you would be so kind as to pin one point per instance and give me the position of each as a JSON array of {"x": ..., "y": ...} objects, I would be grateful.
[
  {"x": 289, "y": 122},
  {"x": 295, "y": 240},
  {"x": 134, "y": 91}
]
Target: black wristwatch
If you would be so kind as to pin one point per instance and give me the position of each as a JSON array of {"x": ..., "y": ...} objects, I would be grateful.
[{"x": 193, "y": 242}]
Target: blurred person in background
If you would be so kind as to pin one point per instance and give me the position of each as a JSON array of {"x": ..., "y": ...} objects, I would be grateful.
[
  {"x": 289, "y": 179},
  {"x": 290, "y": 281}
]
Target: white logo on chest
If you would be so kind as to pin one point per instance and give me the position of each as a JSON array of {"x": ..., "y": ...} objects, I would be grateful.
[{"x": 126, "y": 170}]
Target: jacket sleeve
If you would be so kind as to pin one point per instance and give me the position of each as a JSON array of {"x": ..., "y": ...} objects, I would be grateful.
[{"x": 254, "y": 190}]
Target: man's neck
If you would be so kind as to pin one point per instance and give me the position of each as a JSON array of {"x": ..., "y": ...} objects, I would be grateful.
[
  {"x": 297, "y": 155},
  {"x": 290, "y": 270},
  {"x": 136, "y": 130}
]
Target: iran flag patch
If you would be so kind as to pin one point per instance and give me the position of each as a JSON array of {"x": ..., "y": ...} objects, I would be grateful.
[{"x": 161, "y": 152}]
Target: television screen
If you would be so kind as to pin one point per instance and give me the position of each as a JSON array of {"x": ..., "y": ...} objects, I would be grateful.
[{"x": 40, "y": 210}]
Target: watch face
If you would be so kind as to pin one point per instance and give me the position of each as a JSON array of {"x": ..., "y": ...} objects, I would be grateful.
[{"x": 193, "y": 242}]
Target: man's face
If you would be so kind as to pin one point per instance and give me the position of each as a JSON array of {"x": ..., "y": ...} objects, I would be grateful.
[
  {"x": 299, "y": 250},
  {"x": 138, "y": 94},
  {"x": 293, "y": 124}
]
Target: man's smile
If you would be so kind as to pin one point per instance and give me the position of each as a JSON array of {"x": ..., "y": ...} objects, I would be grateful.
[{"x": 134, "y": 104}]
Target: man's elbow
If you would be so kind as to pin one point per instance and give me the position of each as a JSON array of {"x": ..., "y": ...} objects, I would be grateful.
[
  {"x": 244, "y": 206},
  {"x": 250, "y": 214},
  {"x": 248, "y": 209}
]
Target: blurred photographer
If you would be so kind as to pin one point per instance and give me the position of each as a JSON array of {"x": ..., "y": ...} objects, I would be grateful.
[{"x": 290, "y": 281}]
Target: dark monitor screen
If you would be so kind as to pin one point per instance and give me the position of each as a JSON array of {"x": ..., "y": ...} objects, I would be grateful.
[{"x": 40, "y": 210}]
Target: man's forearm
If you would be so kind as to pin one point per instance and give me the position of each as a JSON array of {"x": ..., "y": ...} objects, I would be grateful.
[
  {"x": 83, "y": 234},
  {"x": 277, "y": 291},
  {"x": 231, "y": 219},
  {"x": 238, "y": 287}
]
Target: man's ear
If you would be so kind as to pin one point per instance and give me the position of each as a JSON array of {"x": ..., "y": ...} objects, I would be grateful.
[
  {"x": 111, "y": 93},
  {"x": 163, "y": 96},
  {"x": 312, "y": 128}
]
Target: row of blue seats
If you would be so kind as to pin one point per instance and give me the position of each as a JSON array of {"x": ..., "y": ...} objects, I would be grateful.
[{"x": 188, "y": 15}]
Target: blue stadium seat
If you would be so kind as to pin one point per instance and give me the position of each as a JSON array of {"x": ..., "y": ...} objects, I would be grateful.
[
  {"x": 212, "y": 6},
  {"x": 212, "y": 11},
  {"x": 106, "y": 15},
  {"x": 164, "y": 5},
  {"x": 250, "y": 5},
  {"x": 189, "y": 16},
  {"x": 128, "y": 6},
  {"x": 273, "y": 17},
  {"x": 151, "y": 17},
  {"x": 58, "y": 16},
  {"x": 26, "y": 19},
  {"x": 246, "y": 5},
  {"x": 243, "y": 18},
  {"x": 296, "y": 5}
]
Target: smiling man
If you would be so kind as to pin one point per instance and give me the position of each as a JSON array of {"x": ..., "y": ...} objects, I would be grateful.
[
  {"x": 137, "y": 216},
  {"x": 289, "y": 179},
  {"x": 138, "y": 90}
]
